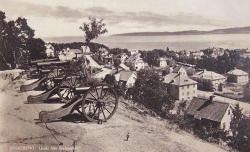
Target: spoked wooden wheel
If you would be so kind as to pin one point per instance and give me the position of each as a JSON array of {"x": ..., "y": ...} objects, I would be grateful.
[
  {"x": 55, "y": 72},
  {"x": 99, "y": 103},
  {"x": 66, "y": 88}
]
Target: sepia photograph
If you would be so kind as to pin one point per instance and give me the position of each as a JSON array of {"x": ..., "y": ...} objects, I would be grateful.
[{"x": 125, "y": 75}]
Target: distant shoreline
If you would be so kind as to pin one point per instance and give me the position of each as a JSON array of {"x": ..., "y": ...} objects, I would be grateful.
[{"x": 236, "y": 30}]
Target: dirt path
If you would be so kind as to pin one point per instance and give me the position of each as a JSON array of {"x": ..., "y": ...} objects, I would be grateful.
[{"x": 19, "y": 128}]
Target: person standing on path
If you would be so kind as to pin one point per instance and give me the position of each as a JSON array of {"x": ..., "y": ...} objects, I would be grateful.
[{"x": 127, "y": 136}]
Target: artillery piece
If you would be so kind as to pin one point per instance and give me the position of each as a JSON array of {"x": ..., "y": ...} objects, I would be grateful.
[{"x": 93, "y": 101}]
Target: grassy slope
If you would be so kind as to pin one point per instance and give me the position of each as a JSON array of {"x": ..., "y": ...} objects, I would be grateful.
[{"x": 18, "y": 127}]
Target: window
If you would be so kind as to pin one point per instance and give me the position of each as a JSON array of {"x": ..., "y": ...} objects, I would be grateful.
[
  {"x": 182, "y": 93},
  {"x": 194, "y": 91},
  {"x": 224, "y": 125},
  {"x": 188, "y": 86},
  {"x": 187, "y": 93},
  {"x": 182, "y": 87},
  {"x": 194, "y": 85},
  {"x": 228, "y": 112}
]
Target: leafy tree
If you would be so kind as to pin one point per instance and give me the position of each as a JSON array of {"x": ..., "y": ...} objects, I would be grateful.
[
  {"x": 240, "y": 127},
  {"x": 152, "y": 57},
  {"x": 93, "y": 29},
  {"x": 236, "y": 119},
  {"x": 37, "y": 48},
  {"x": 117, "y": 63},
  {"x": 182, "y": 107},
  {"x": 150, "y": 91},
  {"x": 13, "y": 39}
]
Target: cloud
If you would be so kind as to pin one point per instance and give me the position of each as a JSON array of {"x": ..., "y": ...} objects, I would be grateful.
[
  {"x": 114, "y": 18},
  {"x": 61, "y": 12},
  {"x": 99, "y": 10},
  {"x": 150, "y": 18}
]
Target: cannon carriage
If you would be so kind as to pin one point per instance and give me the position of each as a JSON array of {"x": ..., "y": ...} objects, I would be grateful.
[{"x": 93, "y": 101}]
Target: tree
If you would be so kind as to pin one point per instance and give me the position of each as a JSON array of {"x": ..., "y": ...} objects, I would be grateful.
[
  {"x": 117, "y": 63},
  {"x": 36, "y": 48},
  {"x": 13, "y": 39},
  {"x": 152, "y": 57},
  {"x": 240, "y": 126},
  {"x": 93, "y": 29},
  {"x": 150, "y": 91},
  {"x": 236, "y": 119},
  {"x": 182, "y": 107}
]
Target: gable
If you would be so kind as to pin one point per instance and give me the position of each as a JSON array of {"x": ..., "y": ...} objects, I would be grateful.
[{"x": 201, "y": 109}]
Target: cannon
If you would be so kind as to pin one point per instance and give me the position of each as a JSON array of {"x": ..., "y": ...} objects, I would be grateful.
[
  {"x": 95, "y": 103},
  {"x": 47, "y": 72}
]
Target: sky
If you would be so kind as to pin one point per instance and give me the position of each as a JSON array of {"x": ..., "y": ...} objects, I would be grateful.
[{"x": 51, "y": 18}]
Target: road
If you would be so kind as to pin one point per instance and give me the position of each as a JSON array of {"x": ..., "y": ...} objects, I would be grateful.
[
  {"x": 93, "y": 62},
  {"x": 245, "y": 106}
]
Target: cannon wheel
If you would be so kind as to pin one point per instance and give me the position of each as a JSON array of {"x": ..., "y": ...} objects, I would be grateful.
[
  {"x": 66, "y": 88},
  {"x": 54, "y": 73},
  {"x": 99, "y": 103}
]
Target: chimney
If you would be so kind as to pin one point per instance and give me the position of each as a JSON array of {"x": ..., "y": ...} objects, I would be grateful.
[{"x": 211, "y": 98}]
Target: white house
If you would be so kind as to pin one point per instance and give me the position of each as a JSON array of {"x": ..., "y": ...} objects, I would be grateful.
[
  {"x": 180, "y": 85},
  {"x": 49, "y": 50},
  {"x": 135, "y": 62},
  {"x": 134, "y": 52},
  {"x": 163, "y": 62},
  {"x": 209, "y": 77},
  {"x": 209, "y": 112},
  {"x": 237, "y": 76},
  {"x": 127, "y": 78},
  {"x": 123, "y": 57}
]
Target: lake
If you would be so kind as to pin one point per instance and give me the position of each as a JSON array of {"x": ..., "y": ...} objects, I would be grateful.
[{"x": 174, "y": 42}]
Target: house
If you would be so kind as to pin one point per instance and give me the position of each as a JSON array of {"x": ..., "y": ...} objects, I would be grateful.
[
  {"x": 134, "y": 52},
  {"x": 209, "y": 77},
  {"x": 124, "y": 67},
  {"x": 209, "y": 112},
  {"x": 237, "y": 76},
  {"x": 108, "y": 59},
  {"x": 49, "y": 50},
  {"x": 127, "y": 78},
  {"x": 214, "y": 52},
  {"x": 163, "y": 62},
  {"x": 103, "y": 51},
  {"x": 135, "y": 62},
  {"x": 179, "y": 69},
  {"x": 197, "y": 54},
  {"x": 180, "y": 85},
  {"x": 123, "y": 57},
  {"x": 85, "y": 49}
]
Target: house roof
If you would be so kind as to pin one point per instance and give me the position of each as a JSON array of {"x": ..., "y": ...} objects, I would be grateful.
[
  {"x": 133, "y": 57},
  {"x": 125, "y": 75},
  {"x": 76, "y": 51},
  {"x": 204, "y": 109},
  {"x": 177, "y": 69},
  {"x": 208, "y": 75},
  {"x": 237, "y": 72},
  {"x": 178, "y": 79}
]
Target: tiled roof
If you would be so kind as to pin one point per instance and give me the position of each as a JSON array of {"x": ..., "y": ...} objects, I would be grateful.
[
  {"x": 133, "y": 57},
  {"x": 208, "y": 75},
  {"x": 203, "y": 108},
  {"x": 177, "y": 69},
  {"x": 178, "y": 79},
  {"x": 76, "y": 51},
  {"x": 237, "y": 72},
  {"x": 125, "y": 75}
]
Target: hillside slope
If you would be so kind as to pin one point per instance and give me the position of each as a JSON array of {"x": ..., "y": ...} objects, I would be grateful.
[{"x": 19, "y": 127}]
